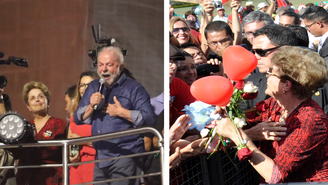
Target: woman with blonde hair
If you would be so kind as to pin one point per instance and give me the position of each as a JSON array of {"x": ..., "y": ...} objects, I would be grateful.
[{"x": 181, "y": 31}]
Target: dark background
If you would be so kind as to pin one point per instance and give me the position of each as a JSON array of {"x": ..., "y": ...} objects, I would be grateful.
[{"x": 55, "y": 36}]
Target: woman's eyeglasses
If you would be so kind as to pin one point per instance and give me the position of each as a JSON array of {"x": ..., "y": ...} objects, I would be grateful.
[
  {"x": 176, "y": 30},
  {"x": 269, "y": 73},
  {"x": 84, "y": 85},
  {"x": 263, "y": 52}
]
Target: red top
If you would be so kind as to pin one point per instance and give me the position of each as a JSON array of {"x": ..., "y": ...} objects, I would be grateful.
[
  {"x": 301, "y": 155},
  {"x": 179, "y": 97},
  {"x": 54, "y": 129},
  {"x": 82, "y": 130}
]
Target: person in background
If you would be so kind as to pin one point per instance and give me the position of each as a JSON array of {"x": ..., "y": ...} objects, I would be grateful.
[
  {"x": 209, "y": 36},
  {"x": 282, "y": 10},
  {"x": 179, "y": 91},
  {"x": 263, "y": 7},
  {"x": 219, "y": 36},
  {"x": 309, "y": 5},
  {"x": 190, "y": 15},
  {"x": 5, "y": 104},
  {"x": 122, "y": 103},
  {"x": 221, "y": 16},
  {"x": 254, "y": 21},
  {"x": 36, "y": 96},
  {"x": 289, "y": 18},
  {"x": 315, "y": 19},
  {"x": 69, "y": 99},
  {"x": 186, "y": 71},
  {"x": 194, "y": 31},
  {"x": 197, "y": 54},
  {"x": 301, "y": 34},
  {"x": 249, "y": 8},
  {"x": 81, "y": 173}
]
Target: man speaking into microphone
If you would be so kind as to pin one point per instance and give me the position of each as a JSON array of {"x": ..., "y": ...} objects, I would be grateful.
[{"x": 120, "y": 103}]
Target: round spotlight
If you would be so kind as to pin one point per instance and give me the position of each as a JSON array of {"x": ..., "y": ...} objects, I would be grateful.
[{"x": 14, "y": 128}]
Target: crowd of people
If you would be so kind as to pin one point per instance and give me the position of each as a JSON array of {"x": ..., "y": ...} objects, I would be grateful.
[{"x": 289, "y": 139}]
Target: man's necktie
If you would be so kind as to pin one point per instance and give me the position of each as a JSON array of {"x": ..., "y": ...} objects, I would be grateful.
[{"x": 319, "y": 45}]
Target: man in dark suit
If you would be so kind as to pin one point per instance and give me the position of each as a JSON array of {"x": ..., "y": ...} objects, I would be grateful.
[{"x": 315, "y": 19}]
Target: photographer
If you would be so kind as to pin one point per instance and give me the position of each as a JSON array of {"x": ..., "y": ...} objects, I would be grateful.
[
  {"x": 7, "y": 177},
  {"x": 5, "y": 104}
]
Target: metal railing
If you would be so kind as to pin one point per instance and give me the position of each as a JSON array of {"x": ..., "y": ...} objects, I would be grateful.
[
  {"x": 65, "y": 156},
  {"x": 218, "y": 169}
]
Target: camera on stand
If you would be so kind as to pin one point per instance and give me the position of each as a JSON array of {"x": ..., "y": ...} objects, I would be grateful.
[
  {"x": 15, "y": 60},
  {"x": 14, "y": 128},
  {"x": 102, "y": 42}
]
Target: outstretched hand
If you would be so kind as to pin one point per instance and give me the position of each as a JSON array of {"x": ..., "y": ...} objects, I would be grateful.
[{"x": 178, "y": 129}]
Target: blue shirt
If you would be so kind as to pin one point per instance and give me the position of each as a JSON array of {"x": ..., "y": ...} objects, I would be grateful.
[
  {"x": 158, "y": 103},
  {"x": 132, "y": 96}
]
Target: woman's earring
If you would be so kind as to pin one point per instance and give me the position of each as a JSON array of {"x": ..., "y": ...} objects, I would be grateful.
[{"x": 283, "y": 91}]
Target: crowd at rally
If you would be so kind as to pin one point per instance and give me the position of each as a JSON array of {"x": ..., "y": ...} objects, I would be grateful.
[
  {"x": 288, "y": 140},
  {"x": 106, "y": 101}
]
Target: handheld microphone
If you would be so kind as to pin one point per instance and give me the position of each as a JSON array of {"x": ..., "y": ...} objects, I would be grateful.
[{"x": 101, "y": 84}]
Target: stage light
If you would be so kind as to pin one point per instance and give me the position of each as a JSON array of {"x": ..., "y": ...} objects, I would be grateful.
[{"x": 14, "y": 128}]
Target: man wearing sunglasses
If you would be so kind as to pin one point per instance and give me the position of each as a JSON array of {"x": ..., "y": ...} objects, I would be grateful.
[
  {"x": 266, "y": 42},
  {"x": 315, "y": 19}
]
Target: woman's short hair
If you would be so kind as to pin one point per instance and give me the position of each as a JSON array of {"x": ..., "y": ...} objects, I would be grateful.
[
  {"x": 35, "y": 85},
  {"x": 305, "y": 69}
]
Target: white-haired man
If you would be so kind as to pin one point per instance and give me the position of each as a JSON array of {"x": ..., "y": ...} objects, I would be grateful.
[{"x": 122, "y": 104}]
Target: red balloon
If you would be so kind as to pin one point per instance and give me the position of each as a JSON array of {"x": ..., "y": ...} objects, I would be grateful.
[
  {"x": 214, "y": 90},
  {"x": 238, "y": 62}
]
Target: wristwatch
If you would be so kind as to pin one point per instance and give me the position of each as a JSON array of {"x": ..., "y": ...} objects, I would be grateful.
[{"x": 244, "y": 142}]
